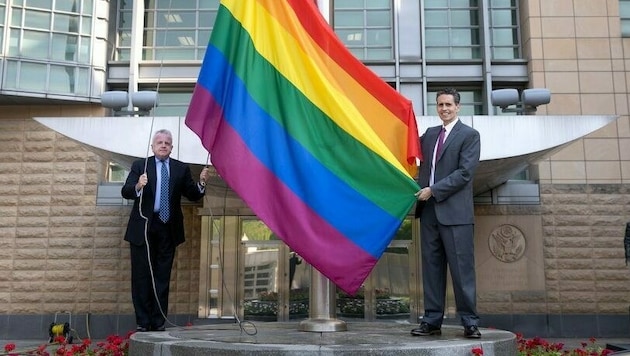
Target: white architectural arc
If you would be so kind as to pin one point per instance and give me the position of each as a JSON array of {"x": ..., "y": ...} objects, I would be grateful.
[{"x": 508, "y": 143}]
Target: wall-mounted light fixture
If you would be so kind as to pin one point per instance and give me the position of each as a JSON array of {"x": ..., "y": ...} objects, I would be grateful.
[
  {"x": 118, "y": 101},
  {"x": 509, "y": 101}
]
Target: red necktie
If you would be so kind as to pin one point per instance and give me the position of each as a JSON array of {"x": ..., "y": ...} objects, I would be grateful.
[{"x": 440, "y": 141}]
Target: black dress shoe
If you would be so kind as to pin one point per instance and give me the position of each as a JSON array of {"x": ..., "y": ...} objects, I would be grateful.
[
  {"x": 472, "y": 332},
  {"x": 142, "y": 329},
  {"x": 159, "y": 328},
  {"x": 426, "y": 329}
]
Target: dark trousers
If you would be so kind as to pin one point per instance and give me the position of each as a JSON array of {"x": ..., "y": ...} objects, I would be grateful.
[
  {"x": 151, "y": 275},
  {"x": 442, "y": 247}
]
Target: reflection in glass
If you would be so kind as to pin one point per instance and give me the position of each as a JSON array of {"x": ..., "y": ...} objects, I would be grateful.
[
  {"x": 275, "y": 278},
  {"x": 452, "y": 30},
  {"x": 365, "y": 27},
  {"x": 30, "y": 77},
  {"x": 299, "y": 287},
  {"x": 260, "y": 277},
  {"x": 387, "y": 288},
  {"x": 390, "y": 304},
  {"x": 391, "y": 283},
  {"x": 504, "y": 29},
  {"x": 175, "y": 32}
]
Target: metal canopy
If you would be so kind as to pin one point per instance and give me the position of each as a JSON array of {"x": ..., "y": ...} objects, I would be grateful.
[{"x": 508, "y": 143}]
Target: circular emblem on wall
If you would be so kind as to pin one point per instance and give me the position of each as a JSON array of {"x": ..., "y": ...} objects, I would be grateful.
[{"x": 507, "y": 243}]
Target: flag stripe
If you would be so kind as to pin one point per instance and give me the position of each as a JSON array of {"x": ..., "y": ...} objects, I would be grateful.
[
  {"x": 312, "y": 127},
  {"x": 336, "y": 246},
  {"x": 308, "y": 170},
  {"x": 322, "y": 76},
  {"x": 385, "y": 95}
]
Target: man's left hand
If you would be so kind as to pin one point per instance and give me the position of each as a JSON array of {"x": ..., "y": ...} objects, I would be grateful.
[
  {"x": 424, "y": 194},
  {"x": 204, "y": 176}
]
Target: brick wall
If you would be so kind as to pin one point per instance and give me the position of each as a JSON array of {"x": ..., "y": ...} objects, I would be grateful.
[
  {"x": 58, "y": 250},
  {"x": 583, "y": 230}
]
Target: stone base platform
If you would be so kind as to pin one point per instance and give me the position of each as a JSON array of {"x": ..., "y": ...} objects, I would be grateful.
[{"x": 279, "y": 338}]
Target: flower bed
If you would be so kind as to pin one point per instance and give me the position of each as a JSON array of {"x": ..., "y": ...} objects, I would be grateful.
[{"x": 114, "y": 345}]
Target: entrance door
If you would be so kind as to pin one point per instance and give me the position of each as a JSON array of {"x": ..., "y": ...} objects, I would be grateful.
[{"x": 248, "y": 271}]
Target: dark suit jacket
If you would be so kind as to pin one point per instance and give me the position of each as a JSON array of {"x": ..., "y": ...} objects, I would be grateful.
[
  {"x": 454, "y": 172},
  {"x": 180, "y": 184}
]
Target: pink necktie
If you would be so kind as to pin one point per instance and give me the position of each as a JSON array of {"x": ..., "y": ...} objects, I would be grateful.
[{"x": 440, "y": 141}]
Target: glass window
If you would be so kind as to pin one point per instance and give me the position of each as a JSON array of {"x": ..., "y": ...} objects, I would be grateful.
[
  {"x": 464, "y": 18},
  {"x": 504, "y": 29},
  {"x": 11, "y": 77},
  {"x": 116, "y": 173},
  {"x": 42, "y": 4},
  {"x": 16, "y": 17},
  {"x": 47, "y": 78},
  {"x": 365, "y": 27},
  {"x": 71, "y": 6},
  {"x": 123, "y": 33},
  {"x": 44, "y": 35},
  {"x": 37, "y": 20},
  {"x": 209, "y": 4},
  {"x": 30, "y": 76},
  {"x": 166, "y": 19},
  {"x": 463, "y": 3},
  {"x": 624, "y": 14},
  {"x": 452, "y": 29},
  {"x": 41, "y": 32},
  {"x": 64, "y": 47},
  {"x": 14, "y": 43},
  {"x": 66, "y": 23},
  {"x": 62, "y": 79},
  {"x": 176, "y": 4},
  {"x": 35, "y": 44},
  {"x": 2, "y": 23},
  {"x": 173, "y": 29},
  {"x": 86, "y": 26},
  {"x": 173, "y": 103}
]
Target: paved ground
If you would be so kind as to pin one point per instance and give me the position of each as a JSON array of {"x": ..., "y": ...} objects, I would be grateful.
[
  {"x": 286, "y": 339},
  {"x": 26, "y": 344}
]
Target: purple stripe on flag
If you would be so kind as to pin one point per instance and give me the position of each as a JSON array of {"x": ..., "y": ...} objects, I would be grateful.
[
  {"x": 204, "y": 116},
  {"x": 317, "y": 242}
]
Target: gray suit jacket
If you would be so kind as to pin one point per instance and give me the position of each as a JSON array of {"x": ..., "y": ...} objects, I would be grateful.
[{"x": 454, "y": 171}]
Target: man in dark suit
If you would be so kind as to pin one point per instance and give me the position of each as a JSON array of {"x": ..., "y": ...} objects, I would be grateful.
[
  {"x": 446, "y": 211},
  {"x": 156, "y": 226}
]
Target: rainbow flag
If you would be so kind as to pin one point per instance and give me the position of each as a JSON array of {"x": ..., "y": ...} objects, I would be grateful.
[{"x": 318, "y": 146}]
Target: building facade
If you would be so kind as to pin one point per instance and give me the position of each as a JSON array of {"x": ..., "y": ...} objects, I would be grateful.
[{"x": 549, "y": 240}]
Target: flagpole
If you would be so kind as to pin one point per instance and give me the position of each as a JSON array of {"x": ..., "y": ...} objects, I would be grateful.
[
  {"x": 322, "y": 306},
  {"x": 322, "y": 300}
]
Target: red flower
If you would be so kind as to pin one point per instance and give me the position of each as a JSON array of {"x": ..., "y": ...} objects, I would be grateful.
[
  {"x": 9, "y": 347},
  {"x": 477, "y": 351}
]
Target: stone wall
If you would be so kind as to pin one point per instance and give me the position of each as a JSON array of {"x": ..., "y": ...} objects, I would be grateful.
[
  {"x": 58, "y": 250},
  {"x": 583, "y": 230},
  {"x": 573, "y": 262}
]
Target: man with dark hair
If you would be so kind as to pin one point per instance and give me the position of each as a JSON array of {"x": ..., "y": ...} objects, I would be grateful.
[{"x": 445, "y": 208}]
